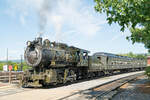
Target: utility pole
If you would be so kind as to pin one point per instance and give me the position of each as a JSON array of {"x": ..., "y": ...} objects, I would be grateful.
[
  {"x": 7, "y": 57},
  {"x": 8, "y": 68},
  {"x": 21, "y": 64}
]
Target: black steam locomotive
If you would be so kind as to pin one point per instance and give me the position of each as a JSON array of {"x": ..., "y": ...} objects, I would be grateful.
[{"x": 54, "y": 63}]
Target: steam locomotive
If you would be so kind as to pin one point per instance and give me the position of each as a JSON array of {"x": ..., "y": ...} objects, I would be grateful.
[{"x": 53, "y": 63}]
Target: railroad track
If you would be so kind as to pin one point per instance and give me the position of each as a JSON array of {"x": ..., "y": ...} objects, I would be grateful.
[{"x": 101, "y": 92}]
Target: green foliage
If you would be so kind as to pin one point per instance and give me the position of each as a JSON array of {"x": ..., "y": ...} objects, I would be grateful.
[
  {"x": 25, "y": 66},
  {"x": 147, "y": 71},
  {"x": 129, "y": 13},
  {"x": 141, "y": 36},
  {"x": 1, "y": 65}
]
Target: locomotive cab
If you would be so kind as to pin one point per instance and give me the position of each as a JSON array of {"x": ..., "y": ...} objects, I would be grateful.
[{"x": 83, "y": 54}]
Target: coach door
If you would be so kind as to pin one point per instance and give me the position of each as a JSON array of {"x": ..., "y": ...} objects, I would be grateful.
[{"x": 103, "y": 61}]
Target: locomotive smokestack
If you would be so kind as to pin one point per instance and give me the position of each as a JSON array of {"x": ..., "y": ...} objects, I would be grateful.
[{"x": 39, "y": 39}]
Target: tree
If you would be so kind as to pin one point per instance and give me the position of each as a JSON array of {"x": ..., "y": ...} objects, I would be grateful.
[
  {"x": 25, "y": 66},
  {"x": 132, "y": 14},
  {"x": 1, "y": 66}
]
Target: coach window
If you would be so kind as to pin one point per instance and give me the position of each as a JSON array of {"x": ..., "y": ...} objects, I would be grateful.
[
  {"x": 107, "y": 60},
  {"x": 85, "y": 55},
  {"x": 121, "y": 63},
  {"x": 99, "y": 58},
  {"x": 112, "y": 63},
  {"x": 78, "y": 55},
  {"x": 52, "y": 45}
]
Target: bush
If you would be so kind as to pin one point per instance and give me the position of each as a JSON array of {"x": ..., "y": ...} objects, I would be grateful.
[
  {"x": 147, "y": 71},
  {"x": 25, "y": 66},
  {"x": 1, "y": 66}
]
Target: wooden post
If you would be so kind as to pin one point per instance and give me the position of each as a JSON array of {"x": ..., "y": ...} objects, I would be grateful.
[
  {"x": 21, "y": 64},
  {"x": 9, "y": 76},
  {"x": 7, "y": 61}
]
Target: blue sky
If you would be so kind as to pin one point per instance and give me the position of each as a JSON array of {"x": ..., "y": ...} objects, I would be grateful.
[{"x": 74, "y": 22}]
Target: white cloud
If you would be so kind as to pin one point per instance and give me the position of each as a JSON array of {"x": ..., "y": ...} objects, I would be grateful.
[
  {"x": 82, "y": 18},
  {"x": 76, "y": 15},
  {"x": 121, "y": 34},
  {"x": 12, "y": 54},
  {"x": 22, "y": 20}
]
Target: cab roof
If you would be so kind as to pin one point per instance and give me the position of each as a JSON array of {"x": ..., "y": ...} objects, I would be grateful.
[
  {"x": 79, "y": 49},
  {"x": 113, "y": 55}
]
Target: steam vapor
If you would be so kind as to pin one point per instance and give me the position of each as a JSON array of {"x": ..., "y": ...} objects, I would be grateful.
[{"x": 43, "y": 12}]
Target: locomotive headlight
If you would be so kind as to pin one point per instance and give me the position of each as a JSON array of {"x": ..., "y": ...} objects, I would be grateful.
[{"x": 28, "y": 43}]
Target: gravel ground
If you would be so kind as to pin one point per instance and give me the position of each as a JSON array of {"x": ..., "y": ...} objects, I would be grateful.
[{"x": 139, "y": 89}]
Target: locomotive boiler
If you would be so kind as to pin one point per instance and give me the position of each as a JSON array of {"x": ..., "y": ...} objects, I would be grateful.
[
  {"x": 36, "y": 54},
  {"x": 53, "y": 63}
]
